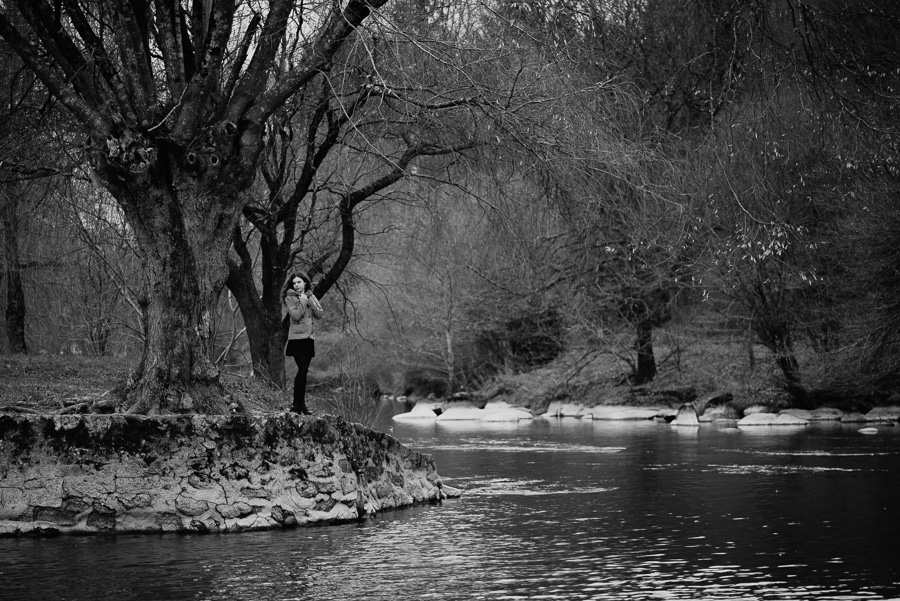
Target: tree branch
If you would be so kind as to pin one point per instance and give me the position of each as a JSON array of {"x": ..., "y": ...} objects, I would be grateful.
[
  {"x": 170, "y": 41},
  {"x": 333, "y": 34},
  {"x": 208, "y": 72},
  {"x": 81, "y": 109},
  {"x": 133, "y": 40},
  {"x": 96, "y": 49},
  {"x": 254, "y": 79},
  {"x": 238, "y": 64}
]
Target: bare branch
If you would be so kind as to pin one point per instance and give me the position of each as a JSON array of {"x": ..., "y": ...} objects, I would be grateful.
[
  {"x": 337, "y": 28},
  {"x": 83, "y": 111}
]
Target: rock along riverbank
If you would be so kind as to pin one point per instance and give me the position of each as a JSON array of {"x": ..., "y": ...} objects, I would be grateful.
[{"x": 121, "y": 473}]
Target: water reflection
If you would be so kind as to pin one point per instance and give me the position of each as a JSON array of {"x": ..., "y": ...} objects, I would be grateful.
[{"x": 564, "y": 509}]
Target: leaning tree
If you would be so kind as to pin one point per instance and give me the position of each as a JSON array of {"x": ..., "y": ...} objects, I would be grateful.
[{"x": 173, "y": 97}]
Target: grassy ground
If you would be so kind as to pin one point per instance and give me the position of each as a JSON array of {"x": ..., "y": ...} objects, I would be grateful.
[
  {"x": 44, "y": 384},
  {"x": 49, "y": 384},
  {"x": 62, "y": 384}
]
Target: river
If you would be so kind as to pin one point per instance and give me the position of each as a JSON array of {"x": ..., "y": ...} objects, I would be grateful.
[{"x": 559, "y": 509}]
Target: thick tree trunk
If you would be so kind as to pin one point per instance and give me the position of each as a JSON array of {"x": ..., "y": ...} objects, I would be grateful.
[
  {"x": 790, "y": 368},
  {"x": 645, "y": 309},
  {"x": 274, "y": 357},
  {"x": 646, "y": 362},
  {"x": 267, "y": 342},
  {"x": 176, "y": 372},
  {"x": 15, "y": 294},
  {"x": 183, "y": 231},
  {"x": 775, "y": 333},
  {"x": 265, "y": 331}
]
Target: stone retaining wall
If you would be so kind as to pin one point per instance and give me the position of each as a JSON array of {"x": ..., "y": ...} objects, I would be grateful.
[{"x": 122, "y": 473}]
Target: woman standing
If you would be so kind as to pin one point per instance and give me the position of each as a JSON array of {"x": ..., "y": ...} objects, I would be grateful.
[{"x": 302, "y": 306}]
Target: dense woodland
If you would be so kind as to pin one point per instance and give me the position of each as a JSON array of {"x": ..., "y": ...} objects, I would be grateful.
[{"x": 477, "y": 187}]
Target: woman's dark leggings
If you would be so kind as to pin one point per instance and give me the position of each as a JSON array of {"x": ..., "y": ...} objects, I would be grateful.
[{"x": 299, "y": 405}]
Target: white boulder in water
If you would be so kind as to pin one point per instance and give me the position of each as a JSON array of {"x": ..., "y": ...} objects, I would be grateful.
[
  {"x": 622, "y": 413},
  {"x": 686, "y": 416},
  {"x": 421, "y": 411},
  {"x": 854, "y": 417},
  {"x": 786, "y": 419},
  {"x": 825, "y": 414},
  {"x": 559, "y": 409},
  {"x": 801, "y": 413},
  {"x": 504, "y": 412},
  {"x": 771, "y": 419},
  {"x": 884, "y": 414},
  {"x": 460, "y": 414}
]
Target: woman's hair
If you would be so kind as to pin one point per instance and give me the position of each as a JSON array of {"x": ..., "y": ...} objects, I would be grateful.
[{"x": 289, "y": 283}]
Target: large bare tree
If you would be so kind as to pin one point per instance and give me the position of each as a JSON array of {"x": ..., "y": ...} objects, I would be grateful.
[{"x": 174, "y": 96}]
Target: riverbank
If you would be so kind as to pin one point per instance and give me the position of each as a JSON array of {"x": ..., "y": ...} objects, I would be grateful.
[
  {"x": 735, "y": 373},
  {"x": 64, "y": 474},
  {"x": 687, "y": 373}
]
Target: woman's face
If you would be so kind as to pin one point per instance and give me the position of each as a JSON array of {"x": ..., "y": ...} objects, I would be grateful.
[{"x": 299, "y": 284}]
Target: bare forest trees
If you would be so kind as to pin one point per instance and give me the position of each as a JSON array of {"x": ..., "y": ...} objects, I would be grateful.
[
  {"x": 800, "y": 175},
  {"x": 601, "y": 160},
  {"x": 779, "y": 109},
  {"x": 26, "y": 118},
  {"x": 337, "y": 146},
  {"x": 404, "y": 106},
  {"x": 173, "y": 98},
  {"x": 565, "y": 167}
]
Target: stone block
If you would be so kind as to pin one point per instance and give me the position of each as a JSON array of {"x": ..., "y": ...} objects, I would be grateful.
[
  {"x": 86, "y": 486},
  {"x": 169, "y": 522},
  {"x": 340, "y": 497},
  {"x": 383, "y": 490},
  {"x": 49, "y": 496},
  {"x": 228, "y": 511},
  {"x": 326, "y": 486},
  {"x": 294, "y": 501},
  {"x": 101, "y": 518},
  {"x": 256, "y": 493},
  {"x": 349, "y": 484},
  {"x": 132, "y": 501},
  {"x": 306, "y": 489},
  {"x": 213, "y": 495},
  {"x": 12, "y": 503},
  {"x": 189, "y": 506}
]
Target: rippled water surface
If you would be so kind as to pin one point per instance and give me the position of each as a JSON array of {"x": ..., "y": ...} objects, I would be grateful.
[{"x": 565, "y": 509}]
